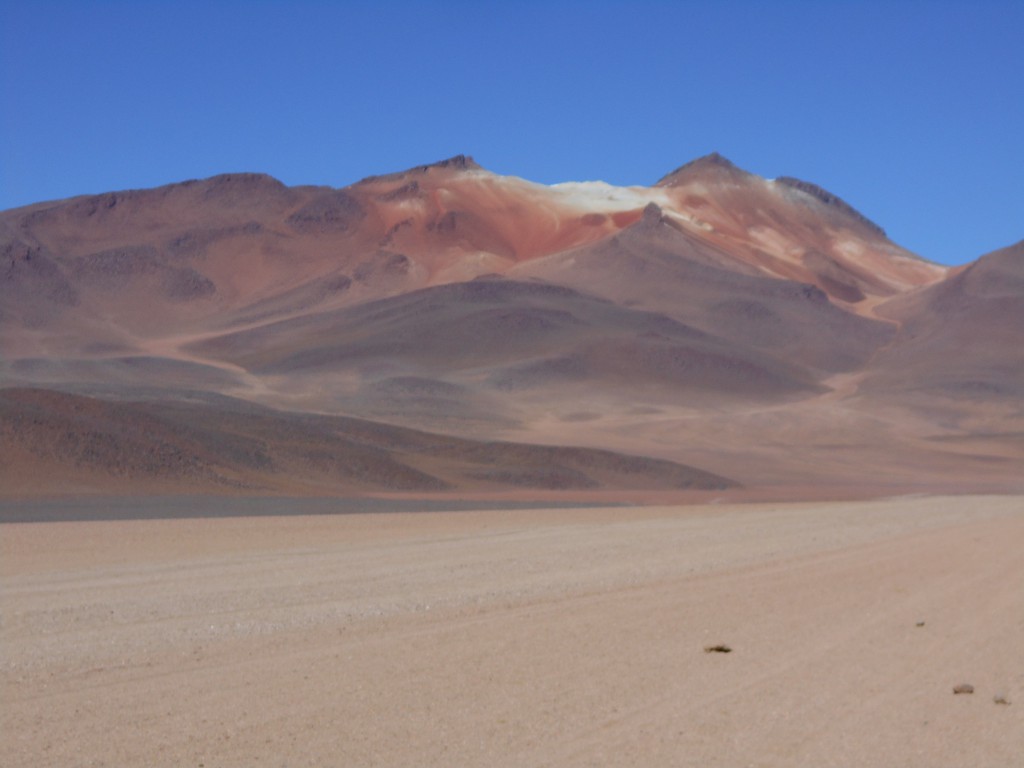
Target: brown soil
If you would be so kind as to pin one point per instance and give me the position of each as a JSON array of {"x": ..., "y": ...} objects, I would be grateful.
[{"x": 519, "y": 638}]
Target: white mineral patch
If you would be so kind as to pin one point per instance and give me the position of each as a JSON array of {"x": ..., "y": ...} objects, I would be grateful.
[
  {"x": 774, "y": 242},
  {"x": 601, "y": 196},
  {"x": 688, "y": 219},
  {"x": 849, "y": 247}
]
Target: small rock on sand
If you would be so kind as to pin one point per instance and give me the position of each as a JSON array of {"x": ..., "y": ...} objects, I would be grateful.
[
  {"x": 717, "y": 649},
  {"x": 963, "y": 688}
]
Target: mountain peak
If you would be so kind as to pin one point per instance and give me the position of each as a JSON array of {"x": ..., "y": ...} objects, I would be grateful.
[
  {"x": 455, "y": 163},
  {"x": 458, "y": 162},
  {"x": 706, "y": 164}
]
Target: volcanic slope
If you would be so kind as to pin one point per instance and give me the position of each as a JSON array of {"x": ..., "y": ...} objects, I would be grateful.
[
  {"x": 760, "y": 329},
  {"x": 119, "y": 270},
  {"x": 71, "y": 443},
  {"x": 960, "y": 337},
  {"x": 658, "y": 266}
]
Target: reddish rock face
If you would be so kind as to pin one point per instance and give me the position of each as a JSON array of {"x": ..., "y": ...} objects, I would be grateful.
[
  {"x": 230, "y": 241},
  {"x": 731, "y": 309}
]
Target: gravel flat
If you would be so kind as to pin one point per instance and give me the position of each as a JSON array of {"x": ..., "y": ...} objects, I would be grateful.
[{"x": 567, "y": 637}]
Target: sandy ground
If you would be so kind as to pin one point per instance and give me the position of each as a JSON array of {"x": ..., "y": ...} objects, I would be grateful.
[{"x": 521, "y": 638}]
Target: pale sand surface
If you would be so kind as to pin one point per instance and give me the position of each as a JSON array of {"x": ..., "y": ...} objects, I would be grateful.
[{"x": 521, "y": 638}]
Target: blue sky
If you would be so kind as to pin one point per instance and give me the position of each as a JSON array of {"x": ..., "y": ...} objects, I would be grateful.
[{"x": 913, "y": 112}]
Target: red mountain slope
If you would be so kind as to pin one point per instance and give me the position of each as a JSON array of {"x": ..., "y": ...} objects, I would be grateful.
[{"x": 762, "y": 329}]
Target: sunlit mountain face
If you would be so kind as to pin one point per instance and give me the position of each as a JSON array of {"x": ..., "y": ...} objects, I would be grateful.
[{"x": 449, "y": 330}]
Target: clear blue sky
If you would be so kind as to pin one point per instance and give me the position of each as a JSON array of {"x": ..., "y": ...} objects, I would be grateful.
[{"x": 911, "y": 111}]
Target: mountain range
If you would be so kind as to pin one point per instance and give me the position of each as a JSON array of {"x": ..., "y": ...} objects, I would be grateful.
[{"x": 449, "y": 330}]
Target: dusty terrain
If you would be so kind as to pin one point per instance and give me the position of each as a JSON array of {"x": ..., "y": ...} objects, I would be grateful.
[
  {"x": 190, "y": 374},
  {"x": 519, "y": 638}
]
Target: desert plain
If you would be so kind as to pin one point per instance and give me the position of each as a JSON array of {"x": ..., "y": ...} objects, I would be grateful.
[
  {"x": 451, "y": 468},
  {"x": 524, "y": 637}
]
